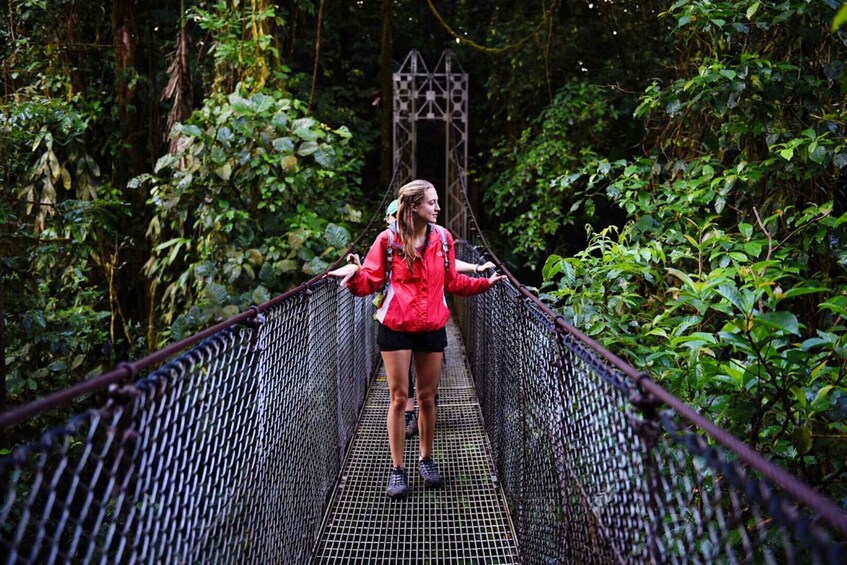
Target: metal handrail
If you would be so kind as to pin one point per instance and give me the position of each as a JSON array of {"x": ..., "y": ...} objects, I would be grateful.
[{"x": 830, "y": 512}]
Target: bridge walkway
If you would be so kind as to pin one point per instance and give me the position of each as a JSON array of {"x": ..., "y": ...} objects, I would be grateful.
[{"x": 466, "y": 521}]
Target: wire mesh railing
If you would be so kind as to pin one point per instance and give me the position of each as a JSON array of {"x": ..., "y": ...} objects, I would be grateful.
[
  {"x": 224, "y": 453},
  {"x": 602, "y": 465},
  {"x": 224, "y": 448}
]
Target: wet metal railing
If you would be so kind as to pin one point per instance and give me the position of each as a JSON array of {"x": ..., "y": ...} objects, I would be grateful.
[
  {"x": 225, "y": 447},
  {"x": 225, "y": 453},
  {"x": 602, "y": 465}
]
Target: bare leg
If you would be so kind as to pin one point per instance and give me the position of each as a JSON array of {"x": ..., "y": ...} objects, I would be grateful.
[
  {"x": 397, "y": 374},
  {"x": 427, "y": 373}
]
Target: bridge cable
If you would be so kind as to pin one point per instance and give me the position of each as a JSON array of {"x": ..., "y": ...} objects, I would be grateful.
[{"x": 493, "y": 50}]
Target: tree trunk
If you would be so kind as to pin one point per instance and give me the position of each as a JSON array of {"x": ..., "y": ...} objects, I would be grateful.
[
  {"x": 386, "y": 95},
  {"x": 124, "y": 41},
  {"x": 71, "y": 53},
  {"x": 179, "y": 89}
]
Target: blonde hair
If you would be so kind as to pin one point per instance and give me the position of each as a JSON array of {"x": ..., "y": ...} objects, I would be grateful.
[{"x": 409, "y": 195}]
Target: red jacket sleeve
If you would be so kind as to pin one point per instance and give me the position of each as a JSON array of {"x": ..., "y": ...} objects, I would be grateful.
[
  {"x": 457, "y": 283},
  {"x": 371, "y": 275}
]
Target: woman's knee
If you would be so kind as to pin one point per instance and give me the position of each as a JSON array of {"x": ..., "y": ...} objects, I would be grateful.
[
  {"x": 426, "y": 402},
  {"x": 398, "y": 401}
]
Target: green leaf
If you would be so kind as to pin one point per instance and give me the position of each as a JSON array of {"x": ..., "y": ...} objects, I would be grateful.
[
  {"x": 683, "y": 277},
  {"x": 302, "y": 129},
  {"x": 260, "y": 295},
  {"x": 731, "y": 293},
  {"x": 162, "y": 162},
  {"x": 267, "y": 274},
  {"x": 168, "y": 243},
  {"x": 820, "y": 397},
  {"x": 818, "y": 154},
  {"x": 839, "y": 19},
  {"x": 552, "y": 266},
  {"x": 180, "y": 329},
  {"x": 344, "y": 132},
  {"x": 799, "y": 395},
  {"x": 224, "y": 171},
  {"x": 337, "y": 236},
  {"x": 218, "y": 155},
  {"x": 324, "y": 155},
  {"x": 800, "y": 291},
  {"x": 753, "y": 249},
  {"x": 785, "y": 321},
  {"x": 225, "y": 136},
  {"x": 835, "y": 305},
  {"x": 192, "y": 130},
  {"x": 216, "y": 294},
  {"x": 263, "y": 103},
  {"x": 286, "y": 265},
  {"x": 229, "y": 311},
  {"x": 283, "y": 144},
  {"x": 289, "y": 163},
  {"x": 279, "y": 121},
  {"x": 307, "y": 148},
  {"x": 316, "y": 266}
]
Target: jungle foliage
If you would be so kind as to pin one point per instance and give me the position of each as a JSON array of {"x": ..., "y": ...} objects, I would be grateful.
[
  {"x": 164, "y": 167},
  {"x": 675, "y": 172},
  {"x": 726, "y": 276}
]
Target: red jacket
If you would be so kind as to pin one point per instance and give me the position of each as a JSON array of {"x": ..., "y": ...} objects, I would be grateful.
[{"x": 415, "y": 299}]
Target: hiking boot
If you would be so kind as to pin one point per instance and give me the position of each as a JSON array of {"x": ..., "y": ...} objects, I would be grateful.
[
  {"x": 398, "y": 483},
  {"x": 429, "y": 472},
  {"x": 411, "y": 425}
]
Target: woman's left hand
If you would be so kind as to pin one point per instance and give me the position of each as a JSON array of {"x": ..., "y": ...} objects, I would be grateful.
[{"x": 495, "y": 278}]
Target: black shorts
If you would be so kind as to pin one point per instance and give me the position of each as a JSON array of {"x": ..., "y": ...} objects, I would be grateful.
[{"x": 389, "y": 340}]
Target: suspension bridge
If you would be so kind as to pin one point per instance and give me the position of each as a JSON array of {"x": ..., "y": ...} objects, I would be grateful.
[{"x": 262, "y": 440}]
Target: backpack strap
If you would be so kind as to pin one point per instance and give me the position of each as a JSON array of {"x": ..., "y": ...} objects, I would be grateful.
[
  {"x": 443, "y": 233},
  {"x": 392, "y": 230}
]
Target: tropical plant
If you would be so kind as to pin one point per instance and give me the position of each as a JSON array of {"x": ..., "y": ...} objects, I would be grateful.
[
  {"x": 254, "y": 199},
  {"x": 62, "y": 252},
  {"x": 535, "y": 196},
  {"x": 727, "y": 281}
]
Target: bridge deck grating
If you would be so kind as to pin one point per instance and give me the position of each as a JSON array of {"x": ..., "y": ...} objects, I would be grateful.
[{"x": 466, "y": 521}]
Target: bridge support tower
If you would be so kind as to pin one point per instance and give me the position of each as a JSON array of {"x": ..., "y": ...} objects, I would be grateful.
[{"x": 441, "y": 95}]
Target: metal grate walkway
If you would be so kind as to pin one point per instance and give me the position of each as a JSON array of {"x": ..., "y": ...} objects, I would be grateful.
[{"x": 466, "y": 521}]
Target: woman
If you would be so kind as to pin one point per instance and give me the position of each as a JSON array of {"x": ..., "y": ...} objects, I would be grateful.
[
  {"x": 462, "y": 267},
  {"x": 413, "y": 317}
]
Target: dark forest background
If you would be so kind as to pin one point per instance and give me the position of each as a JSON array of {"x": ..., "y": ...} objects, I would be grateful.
[{"x": 670, "y": 176}]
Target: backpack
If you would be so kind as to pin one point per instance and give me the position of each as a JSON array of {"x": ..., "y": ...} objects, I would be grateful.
[{"x": 393, "y": 244}]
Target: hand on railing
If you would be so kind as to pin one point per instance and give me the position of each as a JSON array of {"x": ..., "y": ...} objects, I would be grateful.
[
  {"x": 495, "y": 278},
  {"x": 484, "y": 267},
  {"x": 348, "y": 270}
]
